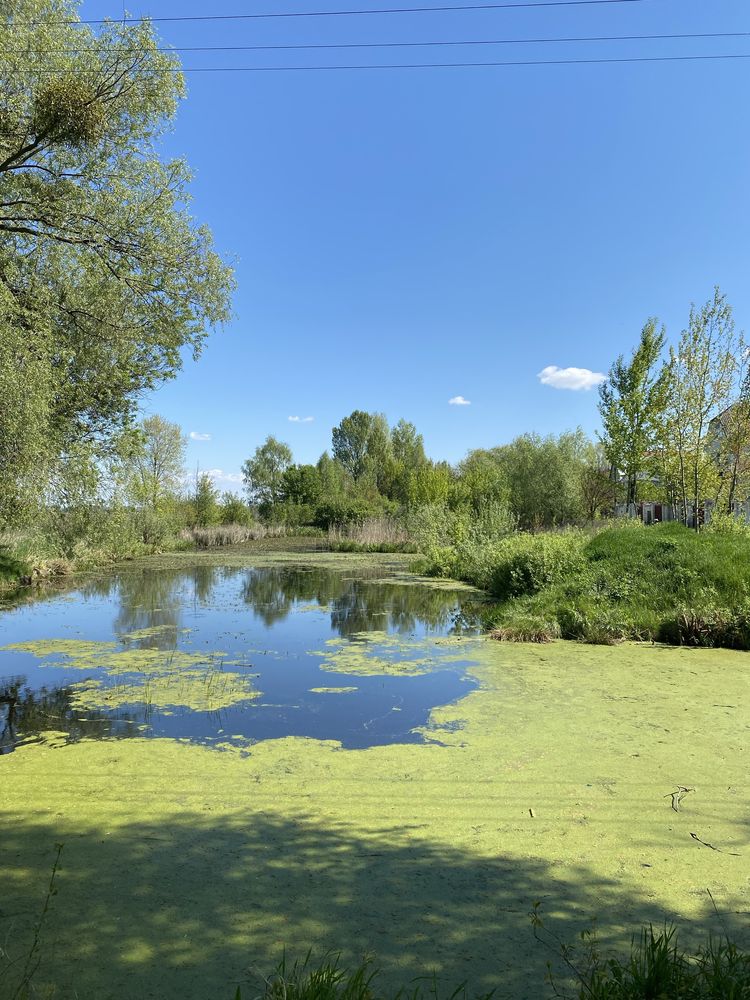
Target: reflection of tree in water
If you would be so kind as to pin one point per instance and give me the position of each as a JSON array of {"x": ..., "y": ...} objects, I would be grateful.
[
  {"x": 366, "y": 607},
  {"x": 272, "y": 592},
  {"x": 357, "y": 605},
  {"x": 153, "y": 599},
  {"x": 24, "y": 713}
]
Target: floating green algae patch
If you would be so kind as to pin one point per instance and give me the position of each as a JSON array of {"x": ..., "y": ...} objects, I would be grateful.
[
  {"x": 332, "y": 690},
  {"x": 184, "y": 866},
  {"x": 376, "y": 652},
  {"x": 158, "y": 678},
  {"x": 152, "y": 632}
]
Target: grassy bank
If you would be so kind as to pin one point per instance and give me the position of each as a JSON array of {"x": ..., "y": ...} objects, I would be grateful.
[
  {"x": 663, "y": 583},
  {"x": 36, "y": 556}
]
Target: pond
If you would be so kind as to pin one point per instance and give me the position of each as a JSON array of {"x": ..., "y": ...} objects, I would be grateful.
[
  {"x": 249, "y": 757},
  {"x": 231, "y": 654}
]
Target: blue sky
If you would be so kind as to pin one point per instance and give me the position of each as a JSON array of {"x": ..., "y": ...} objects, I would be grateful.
[{"x": 405, "y": 237}]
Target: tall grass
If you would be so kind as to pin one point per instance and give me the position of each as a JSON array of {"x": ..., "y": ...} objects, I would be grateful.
[
  {"x": 374, "y": 534},
  {"x": 655, "y": 969},
  {"x": 232, "y": 534}
]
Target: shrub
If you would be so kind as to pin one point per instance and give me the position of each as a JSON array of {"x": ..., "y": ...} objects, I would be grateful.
[
  {"x": 724, "y": 523},
  {"x": 344, "y": 510},
  {"x": 10, "y": 569},
  {"x": 527, "y": 563}
]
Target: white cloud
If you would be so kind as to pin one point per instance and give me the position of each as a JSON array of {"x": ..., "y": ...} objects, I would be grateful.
[
  {"x": 570, "y": 378},
  {"x": 221, "y": 477},
  {"x": 459, "y": 401},
  {"x": 301, "y": 420},
  {"x": 197, "y": 436}
]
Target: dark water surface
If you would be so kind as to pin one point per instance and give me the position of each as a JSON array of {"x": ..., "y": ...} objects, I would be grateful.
[{"x": 220, "y": 654}]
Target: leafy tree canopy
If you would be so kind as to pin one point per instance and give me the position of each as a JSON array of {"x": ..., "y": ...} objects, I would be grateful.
[
  {"x": 105, "y": 278},
  {"x": 264, "y": 472}
]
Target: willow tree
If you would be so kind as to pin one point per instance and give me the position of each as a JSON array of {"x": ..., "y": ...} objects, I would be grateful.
[{"x": 105, "y": 278}]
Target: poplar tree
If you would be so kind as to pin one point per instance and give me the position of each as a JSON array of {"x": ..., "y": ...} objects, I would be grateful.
[
  {"x": 631, "y": 403},
  {"x": 703, "y": 371}
]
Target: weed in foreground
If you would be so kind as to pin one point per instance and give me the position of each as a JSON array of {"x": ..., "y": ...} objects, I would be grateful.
[
  {"x": 656, "y": 969},
  {"x": 306, "y": 980},
  {"x": 24, "y": 989}
]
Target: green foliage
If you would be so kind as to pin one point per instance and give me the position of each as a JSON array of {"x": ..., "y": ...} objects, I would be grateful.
[
  {"x": 702, "y": 372},
  {"x": 327, "y": 980},
  {"x": 301, "y": 484},
  {"x": 362, "y": 444},
  {"x": 345, "y": 510},
  {"x": 435, "y": 525},
  {"x": 632, "y": 402},
  {"x": 105, "y": 278},
  {"x": 723, "y": 523},
  {"x": 526, "y": 564},
  {"x": 482, "y": 478},
  {"x": 233, "y": 510},
  {"x": 656, "y": 968},
  {"x": 11, "y": 569},
  {"x": 430, "y": 483},
  {"x": 264, "y": 472},
  {"x": 153, "y": 468},
  {"x": 206, "y": 502},
  {"x": 662, "y": 583}
]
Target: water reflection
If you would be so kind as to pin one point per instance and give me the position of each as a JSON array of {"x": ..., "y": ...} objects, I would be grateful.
[
  {"x": 25, "y": 711},
  {"x": 153, "y": 601},
  {"x": 206, "y": 650}
]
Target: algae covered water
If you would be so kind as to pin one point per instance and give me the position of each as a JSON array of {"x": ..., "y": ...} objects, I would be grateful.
[
  {"x": 194, "y": 864},
  {"x": 233, "y": 654}
]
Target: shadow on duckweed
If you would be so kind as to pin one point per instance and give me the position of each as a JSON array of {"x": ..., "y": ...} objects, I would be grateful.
[
  {"x": 213, "y": 653},
  {"x": 189, "y": 907}
]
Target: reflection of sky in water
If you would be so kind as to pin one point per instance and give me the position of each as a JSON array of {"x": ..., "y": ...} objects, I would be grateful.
[{"x": 270, "y": 626}]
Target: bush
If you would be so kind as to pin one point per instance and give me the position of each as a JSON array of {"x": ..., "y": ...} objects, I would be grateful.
[
  {"x": 11, "y": 569},
  {"x": 527, "y": 563},
  {"x": 724, "y": 523},
  {"x": 343, "y": 510}
]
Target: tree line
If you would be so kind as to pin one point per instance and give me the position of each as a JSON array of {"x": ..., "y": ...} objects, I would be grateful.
[{"x": 676, "y": 419}]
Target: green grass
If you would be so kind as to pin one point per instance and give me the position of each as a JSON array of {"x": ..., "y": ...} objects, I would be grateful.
[
  {"x": 349, "y": 545},
  {"x": 656, "y": 969},
  {"x": 663, "y": 583},
  {"x": 327, "y": 980}
]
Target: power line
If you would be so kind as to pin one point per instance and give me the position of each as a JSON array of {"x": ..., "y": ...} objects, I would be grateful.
[
  {"x": 445, "y": 65},
  {"x": 343, "y": 13},
  {"x": 393, "y": 45}
]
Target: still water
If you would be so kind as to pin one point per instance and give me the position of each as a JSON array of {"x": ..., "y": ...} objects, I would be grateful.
[{"x": 224, "y": 655}]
